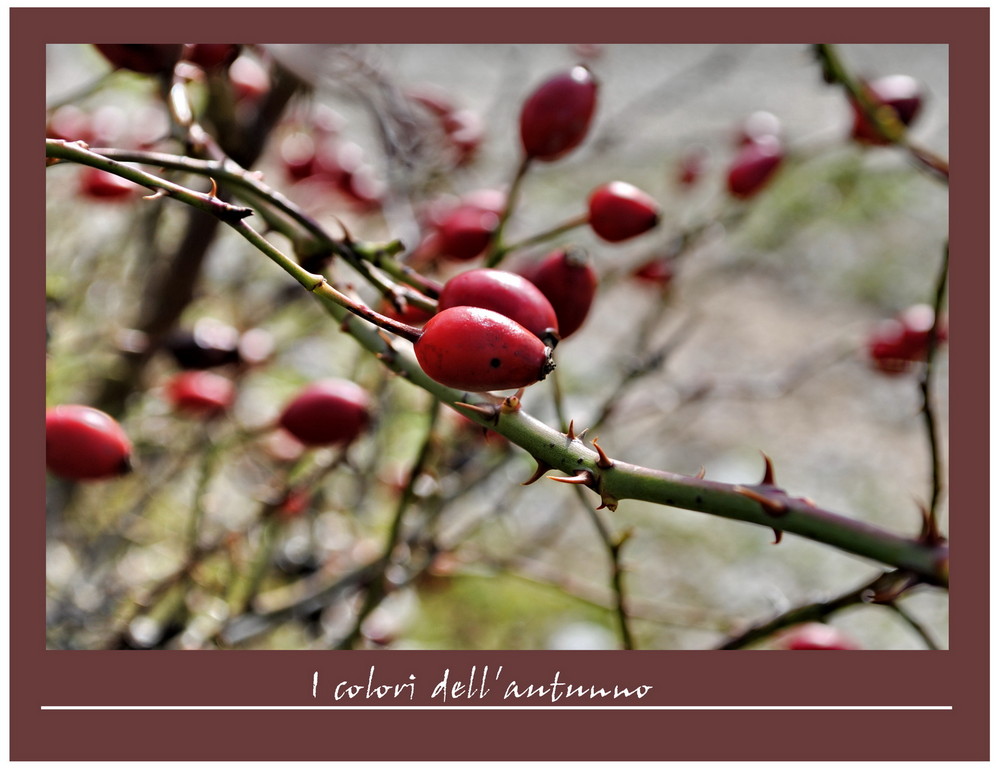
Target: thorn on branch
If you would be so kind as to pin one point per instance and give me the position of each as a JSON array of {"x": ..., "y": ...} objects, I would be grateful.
[
  {"x": 768, "y": 471},
  {"x": 490, "y": 413},
  {"x": 603, "y": 460},
  {"x": 540, "y": 470},
  {"x": 583, "y": 477},
  {"x": 773, "y": 507}
]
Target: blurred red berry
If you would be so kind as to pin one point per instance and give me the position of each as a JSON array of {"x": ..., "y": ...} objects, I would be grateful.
[
  {"x": 201, "y": 393},
  {"x": 466, "y": 231},
  {"x": 103, "y": 185},
  {"x": 754, "y": 166},
  {"x": 899, "y": 93},
  {"x": 85, "y": 444},
  {"x": 329, "y": 412},
  {"x": 148, "y": 59},
  {"x": 691, "y": 166},
  {"x": 619, "y": 211},
  {"x": 658, "y": 271},
  {"x": 815, "y": 636},
  {"x": 555, "y": 118},
  {"x": 213, "y": 55},
  {"x": 897, "y": 343}
]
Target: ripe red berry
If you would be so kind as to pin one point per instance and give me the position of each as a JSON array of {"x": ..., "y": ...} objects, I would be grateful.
[
  {"x": 815, "y": 636},
  {"x": 754, "y": 166},
  {"x": 556, "y": 117},
  {"x": 201, "y": 393},
  {"x": 619, "y": 211},
  {"x": 102, "y": 185},
  {"x": 464, "y": 233},
  {"x": 900, "y": 93},
  {"x": 478, "y": 350},
  {"x": 149, "y": 59},
  {"x": 84, "y": 444},
  {"x": 332, "y": 411},
  {"x": 506, "y": 293},
  {"x": 569, "y": 283}
]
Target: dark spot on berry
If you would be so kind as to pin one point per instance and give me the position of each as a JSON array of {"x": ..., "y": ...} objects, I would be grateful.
[
  {"x": 579, "y": 461},
  {"x": 494, "y": 362}
]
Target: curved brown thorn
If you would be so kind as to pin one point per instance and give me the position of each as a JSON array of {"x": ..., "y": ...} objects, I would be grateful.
[
  {"x": 777, "y": 536},
  {"x": 491, "y": 413},
  {"x": 768, "y": 471},
  {"x": 539, "y": 472},
  {"x": 700, "y": 474},
  {"x": 215, "y": 188},
  {"x": 569, "y": 431},
  {"x": 581, "y": 477},
  {"x": 603, "y": 460}
]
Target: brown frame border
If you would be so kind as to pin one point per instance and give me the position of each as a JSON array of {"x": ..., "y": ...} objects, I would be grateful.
[{"x": 954, "y": 677}]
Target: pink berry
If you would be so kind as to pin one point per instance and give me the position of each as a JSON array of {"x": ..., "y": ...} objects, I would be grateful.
[
  {"x": 329, "y": 412},
  {"x": 897, "y": 343},
  {"x": 815, "y": 636},
  {"x": 619, "y": 211},
  {"x": 84, "y": 444},
  {"x": 754, "y": 167},
  {"x": 556, "y": 117},
  {"x": 503, "y": 292}
]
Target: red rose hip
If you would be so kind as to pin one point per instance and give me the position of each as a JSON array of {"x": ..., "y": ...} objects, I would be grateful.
[
  {"x": 464, "y": 233},
  {"x": 569, "y": 283},
  {"x": 201, "y": 393},
  {"x": 506, "y": 293},
  {"x": 556, "y": 117},
  {"x": 470, "y": 348},
  {"x": 619, "y": 211},
  {"x": 332, "y": 411},
  {"x": 900, "y": 93},
  {"x": 754, "y": 167},
  {"x": 85, "y": 444}
]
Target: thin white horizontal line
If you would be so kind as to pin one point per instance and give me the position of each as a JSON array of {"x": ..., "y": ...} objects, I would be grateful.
[{"x": 496, "y": 707}]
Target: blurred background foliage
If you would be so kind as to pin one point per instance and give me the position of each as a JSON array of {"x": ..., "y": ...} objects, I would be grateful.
[{"x": 788, "y": 283}]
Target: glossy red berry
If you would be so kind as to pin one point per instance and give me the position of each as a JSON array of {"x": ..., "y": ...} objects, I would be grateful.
[
  {"x": 102, "y": 185},
  {"x": 85, "y": 444},
  {"x": 464, "y": 233},
  {"x": 815, "y": 636},
  {"x": 148, "y": 58},
  {"x": 201, "y": 393},
  {"x": 479, "y": 350},
  {"x": 332, "y": 411},
  {"x": 556, "y": 117},
  {"x": 569, "y": 282},
  {"x": 754, "y": 166},
  {"x": 900, "y": 93},
  {"x": 619, "y": 211},
  {"x": 506, "y": 293}
]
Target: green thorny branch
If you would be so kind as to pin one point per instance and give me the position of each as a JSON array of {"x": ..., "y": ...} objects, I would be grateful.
[{"x": 763, "y": 503}]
